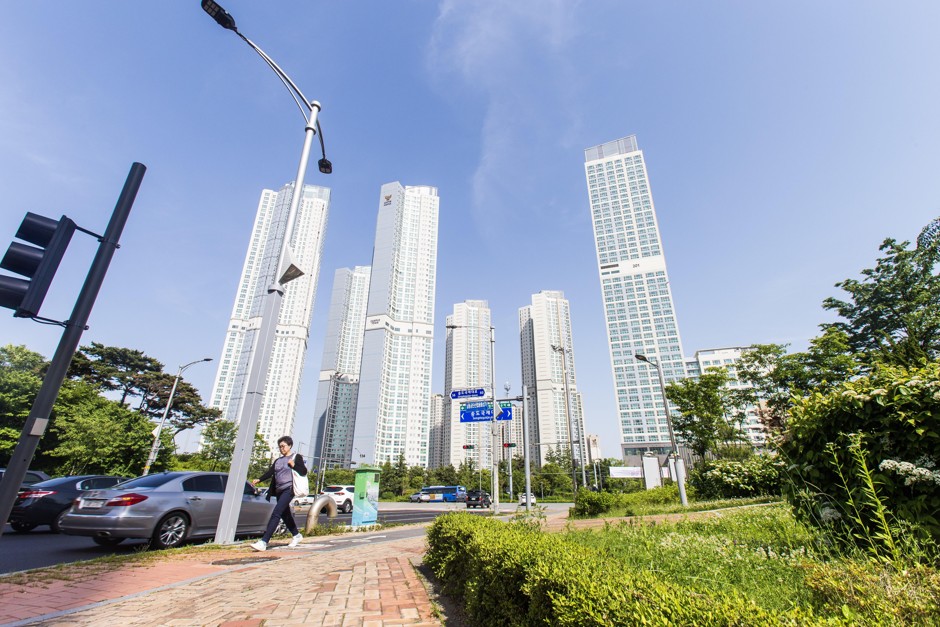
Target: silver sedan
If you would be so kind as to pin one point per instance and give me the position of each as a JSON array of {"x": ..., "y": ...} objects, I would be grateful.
[{"x": 166, "y": 508}]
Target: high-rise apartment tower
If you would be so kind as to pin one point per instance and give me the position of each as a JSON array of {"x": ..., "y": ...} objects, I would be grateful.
[
  {"x": 282, "y": 385},
  {"x": 393, "y": 414},
  {"x": 469, "y": 365},
  {"x": 334, "y": 417},
  {"x": 638, "y": 303},
  {"x": 556, "y": 418}
]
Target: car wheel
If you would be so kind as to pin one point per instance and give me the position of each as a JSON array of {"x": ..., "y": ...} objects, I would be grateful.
[
  {"x": 171, "y": 531},
  {"x": 22, "y": 527},
  {"x": 107, "y": 541},
  {"x": 56, "y": 524},
  {"x": 347, "y": 507}
]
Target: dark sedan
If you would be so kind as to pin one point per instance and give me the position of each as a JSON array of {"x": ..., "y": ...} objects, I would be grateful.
[
  {"x": 478, "y": 498},
  {"x": 46, "y": 502}
]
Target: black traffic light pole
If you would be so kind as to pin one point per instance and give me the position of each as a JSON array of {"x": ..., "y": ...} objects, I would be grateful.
[{"x": 38, "y": 418}]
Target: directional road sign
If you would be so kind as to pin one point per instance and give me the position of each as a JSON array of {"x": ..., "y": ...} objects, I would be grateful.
[
  {"x": 482, "y": 411},
  {"x": 469, "y": 393}
]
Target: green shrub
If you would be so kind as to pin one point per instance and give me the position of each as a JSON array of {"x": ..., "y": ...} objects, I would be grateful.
[
  {"x": 758, "y": 475},
  {"x": 587, "y": 503},
  {"x": 509, "y": 574},
  {"x": 897, "y": 413}
]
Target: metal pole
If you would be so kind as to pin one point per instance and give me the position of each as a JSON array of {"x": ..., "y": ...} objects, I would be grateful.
[
  {"x": 166, "y": 411},
  {"x": 156, "y": 434},
  {"x": 574, "y": 470},
  {"x": 680, "y": 480},
  {"x": 525, "y": 445},
  {"x": 252, "y": 400},
  {"x": 495, "y": 481},
  {"x": 38, "y": 419}
]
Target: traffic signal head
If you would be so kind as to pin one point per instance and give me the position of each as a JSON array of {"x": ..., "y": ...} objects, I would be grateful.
[
  {"x": 468, "y": 446},
  {"x": 38, "y": 263},
  {"x": 508, "y": 444}
]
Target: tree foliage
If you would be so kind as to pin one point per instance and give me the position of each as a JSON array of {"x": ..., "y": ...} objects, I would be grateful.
[
  {"x": 892, "y": 315},
  {"x": 92, "y": 434},
  {"x": 706, "y": 415},
  {"x": 20, "y": 378}
]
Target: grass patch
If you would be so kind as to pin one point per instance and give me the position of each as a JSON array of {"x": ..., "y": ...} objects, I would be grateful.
[{"x": 757, "y": 552}]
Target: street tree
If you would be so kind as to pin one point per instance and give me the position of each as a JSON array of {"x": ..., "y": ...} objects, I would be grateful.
[
  {"x": 20, "y": 378},
  {"x": 707, "y": 411},
  {"x": 113, "y": 369},
  {"x": 892, "y": 315}
]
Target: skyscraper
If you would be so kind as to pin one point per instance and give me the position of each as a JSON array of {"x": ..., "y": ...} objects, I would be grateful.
[
  {"x": 335, "y": 415},
  {"x": 282, "y": 386},
  {"x": 393, "y": 414},
  {"x": 556, "y": 418},
  {"x": 469, "y": 364},
  {"x": 638, "y": 303}
]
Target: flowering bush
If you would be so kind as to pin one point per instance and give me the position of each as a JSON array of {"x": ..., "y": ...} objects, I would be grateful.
[
  {"x": 873, "y": 439},
  {"x": 758, "y": 475}
]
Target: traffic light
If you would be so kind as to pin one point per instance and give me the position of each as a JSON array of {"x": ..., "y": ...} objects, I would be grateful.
[
  {"x": 38, "y": 263},
  {"x": 508, "y": 444},
  {"x": 468, "y": 446}
]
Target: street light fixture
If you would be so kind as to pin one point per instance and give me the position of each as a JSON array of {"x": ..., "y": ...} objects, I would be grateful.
[
  {"x": 252, "y": 399},
  {"x": 494, "y": 483},
  {"x": 678, "y": 461},
  {"x": 166, "y": 412}
]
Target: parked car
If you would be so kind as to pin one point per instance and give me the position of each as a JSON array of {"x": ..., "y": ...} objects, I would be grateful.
[
  {"x": 522, "y": 499},
  {"x": 419, "y": 497},
  {"x": 167, "y": 508},
  {"x": 46, "y": 502},
  {"x": 478, "y": 498},
  {"x": 342, "y": 495},
  {"x": 32, "y": 476}
]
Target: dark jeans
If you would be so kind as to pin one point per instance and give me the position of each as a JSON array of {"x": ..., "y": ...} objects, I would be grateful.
[{"x": 282, "y": 511}]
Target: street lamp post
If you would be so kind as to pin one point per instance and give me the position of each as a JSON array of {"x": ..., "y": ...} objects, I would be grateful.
[
  {"x": 678, "y": 461},
  {"x": 250, "y": 405},
  {"x": 166, "y": 412},
  {"x": 574, "y": 469}
]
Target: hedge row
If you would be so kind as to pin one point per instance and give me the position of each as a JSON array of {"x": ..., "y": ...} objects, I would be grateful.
[
  {"x": 587, "y": 503},
  {"x": 513, "y": 574}
]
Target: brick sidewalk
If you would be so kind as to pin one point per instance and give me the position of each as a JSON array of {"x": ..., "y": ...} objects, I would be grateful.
[{"x": 371, "y": 585}]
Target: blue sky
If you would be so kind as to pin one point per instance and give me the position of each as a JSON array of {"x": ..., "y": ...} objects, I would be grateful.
[{"x": 784, "y": 142}]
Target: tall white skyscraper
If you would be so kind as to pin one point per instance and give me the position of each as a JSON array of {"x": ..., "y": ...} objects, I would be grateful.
[
  {"x": 334, "y": 417},
  {"x": 439, "y": 424},
  {"x": 282, "y": 386},
  {"x": 469, "y": 365},
  {"x": 549, "y": 373},
  {"x": 637, "y": 299},
  {"x": 393, "y": 413}
]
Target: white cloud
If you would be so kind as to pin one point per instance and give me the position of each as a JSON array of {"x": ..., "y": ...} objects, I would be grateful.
[{"x": 514, "y": 60}]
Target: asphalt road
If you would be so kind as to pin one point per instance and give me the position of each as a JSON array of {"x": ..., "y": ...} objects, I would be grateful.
[{"x": 40, "y": 547}]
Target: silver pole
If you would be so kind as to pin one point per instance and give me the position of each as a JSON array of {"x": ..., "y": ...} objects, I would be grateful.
[
  {"x": 249, "y": 408},
  {"x": 680, "y": 472},
  {"x": 493, "y": 459},
  {"x": 525, "y": 445},
  {"x": 166, "y": 412}
]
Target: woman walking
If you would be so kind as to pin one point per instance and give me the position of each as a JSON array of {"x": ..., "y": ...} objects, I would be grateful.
[{"x": 282, "y": 488}]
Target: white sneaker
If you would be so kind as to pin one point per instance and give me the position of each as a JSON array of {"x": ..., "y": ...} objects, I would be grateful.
[
  {"x": 260, "y": 545},
  {"x": 295, "y": 541}
]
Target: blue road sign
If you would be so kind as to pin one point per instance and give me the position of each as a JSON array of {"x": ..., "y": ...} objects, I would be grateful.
[
  {"x": 477, "y": 392},
  {"x": 482, "y": 411}
]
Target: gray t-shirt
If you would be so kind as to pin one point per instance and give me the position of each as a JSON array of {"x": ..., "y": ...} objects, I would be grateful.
[{"x": 283, "y": 476}]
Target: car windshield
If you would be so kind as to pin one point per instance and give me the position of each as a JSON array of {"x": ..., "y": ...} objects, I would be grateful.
[
  {"x": 148, "y": 481},
  {"x": 51, "y": 483}
]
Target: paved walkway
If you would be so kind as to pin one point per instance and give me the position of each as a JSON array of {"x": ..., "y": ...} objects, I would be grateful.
[
  {"x": 367, "y": 583},
  {"x": 372, "y": 584}
]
